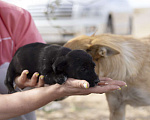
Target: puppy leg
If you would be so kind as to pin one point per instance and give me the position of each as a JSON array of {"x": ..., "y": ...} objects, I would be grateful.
[
  {"x": 116, "y": 106},
  {"x": 10, "y": 77},
  {"x": 53, "y": 78},
  {"x": 60, "y": 79}
]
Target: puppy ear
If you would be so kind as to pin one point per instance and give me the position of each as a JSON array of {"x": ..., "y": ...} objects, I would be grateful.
[
  {"x": 102, "y": 51},
  {"x": 105, "y": 51},
  {"x": 59, "y": 64}
]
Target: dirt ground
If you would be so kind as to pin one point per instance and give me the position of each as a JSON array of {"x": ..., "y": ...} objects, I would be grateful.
[
  {"x": 90, "y": 107},
  {"x": 94, "y": 106}
]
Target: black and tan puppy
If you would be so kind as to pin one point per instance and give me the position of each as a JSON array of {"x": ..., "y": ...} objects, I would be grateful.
[{"x": 55, "y": 62}]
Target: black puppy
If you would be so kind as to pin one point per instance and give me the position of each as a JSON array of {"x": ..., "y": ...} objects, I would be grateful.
[{"x": 55, "y": 62}]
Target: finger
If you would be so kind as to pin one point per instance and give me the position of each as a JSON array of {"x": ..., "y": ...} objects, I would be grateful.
[
  {"x": 33, "y": 81},
  {"x": 117, "y": 82},
  {"x": 103, "y": 83},
  {"x": 104, "y": 89},
  {"x": 77, "y": 83},
  {"x": 41, "y": 81},
  {"x": 23, "y": 76},
  {"x": 20, "y": 80},
  {"x": 99, "y": 89},
  {"x": 104, "y": 79}
]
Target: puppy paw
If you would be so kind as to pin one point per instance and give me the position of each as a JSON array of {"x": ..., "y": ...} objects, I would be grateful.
[{"x": 61, "y": 79}]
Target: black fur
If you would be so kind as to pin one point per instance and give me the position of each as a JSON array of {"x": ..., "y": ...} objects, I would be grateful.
[{"x": 55, "y": 62}]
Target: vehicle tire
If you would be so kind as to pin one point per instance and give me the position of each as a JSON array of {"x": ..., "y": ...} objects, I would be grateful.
[{"x": 109, "y": 26}]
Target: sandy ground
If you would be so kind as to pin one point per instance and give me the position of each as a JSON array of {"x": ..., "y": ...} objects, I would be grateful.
[
  {"x": 90, "y": 107},
  {"x": 94, "y": 106}
]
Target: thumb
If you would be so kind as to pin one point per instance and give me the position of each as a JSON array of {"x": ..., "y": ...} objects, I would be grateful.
[{"x": 77, "y": 83}]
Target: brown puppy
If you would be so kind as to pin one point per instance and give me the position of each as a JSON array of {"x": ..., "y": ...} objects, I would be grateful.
[{"x": 121, "y": 58}]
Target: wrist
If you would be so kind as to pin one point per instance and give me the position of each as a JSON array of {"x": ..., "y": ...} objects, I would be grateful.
[{"x": 58, "y": 91}]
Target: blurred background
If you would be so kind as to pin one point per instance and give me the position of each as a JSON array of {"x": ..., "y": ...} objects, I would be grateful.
[{"x": 61, "y": 20}]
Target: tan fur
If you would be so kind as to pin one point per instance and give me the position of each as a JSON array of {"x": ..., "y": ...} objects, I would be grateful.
[{"x": 121, "y": 58}]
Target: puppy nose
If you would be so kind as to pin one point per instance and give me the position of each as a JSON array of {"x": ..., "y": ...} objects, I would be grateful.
[{"x": 97, "y": 81}]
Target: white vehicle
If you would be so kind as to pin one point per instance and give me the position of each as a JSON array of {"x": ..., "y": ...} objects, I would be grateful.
[{"x": 61, "y": 20}]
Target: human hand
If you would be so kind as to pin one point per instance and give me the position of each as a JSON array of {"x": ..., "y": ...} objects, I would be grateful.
[
  {"x": 81, "y": 87},
  {"x": 22, "y": 81}
]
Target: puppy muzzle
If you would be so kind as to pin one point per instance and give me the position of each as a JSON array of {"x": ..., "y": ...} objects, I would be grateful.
[{"x": 96, "y": 81}]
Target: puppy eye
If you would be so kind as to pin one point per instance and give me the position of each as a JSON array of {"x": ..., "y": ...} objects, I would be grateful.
[{"x": 83, "y": 69}]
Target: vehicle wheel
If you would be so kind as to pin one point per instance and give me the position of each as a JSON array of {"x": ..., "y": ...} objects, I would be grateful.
[{"x": 109, "y": 26}]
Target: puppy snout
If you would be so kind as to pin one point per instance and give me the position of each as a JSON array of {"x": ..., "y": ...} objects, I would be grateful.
[{"x": 97, "y": 81}]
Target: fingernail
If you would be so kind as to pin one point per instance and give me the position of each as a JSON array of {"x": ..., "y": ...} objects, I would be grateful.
[
  {"x": 126, "y": 86},
  {"x": 85, "y": 85},
  {"x": 119, "y": 89},
  {"x": 27, "y": 72},
  {"x": 41, "y": 76},
  {"x": 106, "y": 83},
  {"x": 37, "y": 74},
  {"x": 110, "y": 79}
]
